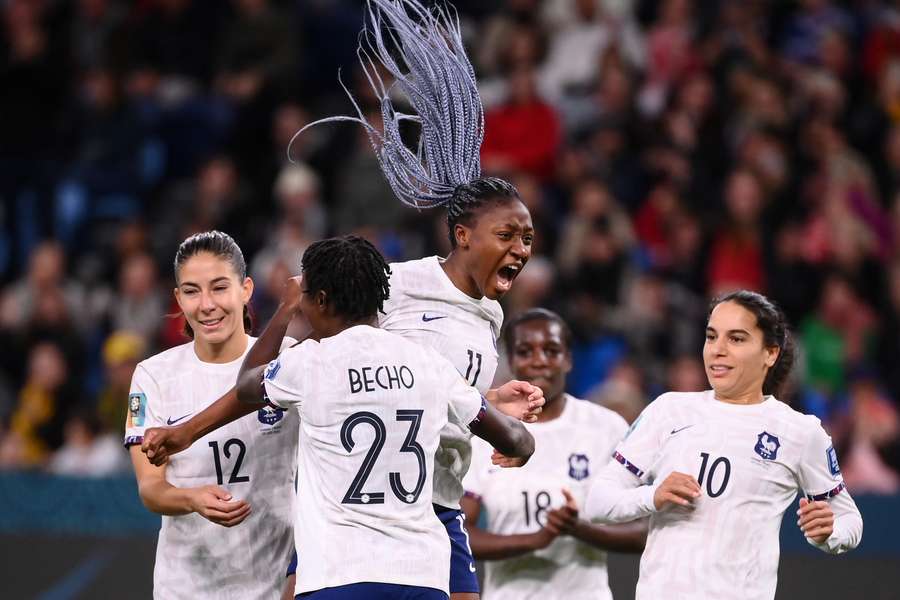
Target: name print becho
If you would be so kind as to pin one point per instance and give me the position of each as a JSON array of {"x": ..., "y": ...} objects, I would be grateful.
[{"x": 385, "y": 377}]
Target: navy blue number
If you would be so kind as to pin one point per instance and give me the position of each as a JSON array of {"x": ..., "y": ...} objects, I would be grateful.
[
  {"x": 712, "y": 472},
  {"x": 473, "y": 356},
  {"x": 410, "y": 445},
  {"x": 235, "y": 476},
  {"x": 354, "y": 494},
  {"x": 542, "y": 503}
]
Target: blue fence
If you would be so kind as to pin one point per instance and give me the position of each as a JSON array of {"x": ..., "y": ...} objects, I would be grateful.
[{"x": 45, "y": 504}]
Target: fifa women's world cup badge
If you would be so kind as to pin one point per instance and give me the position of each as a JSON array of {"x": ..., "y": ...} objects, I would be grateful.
[{"x": 137, "y": 406}]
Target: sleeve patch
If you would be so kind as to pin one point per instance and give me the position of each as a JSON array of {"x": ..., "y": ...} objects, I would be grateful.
[
  {"x": 827, "y": 495},
  {"x": 137, "y": 408},
  {"x": 272, "y": 370},
  {"x": 627, "y": 464},
  {"x": 833, "y": 465}
]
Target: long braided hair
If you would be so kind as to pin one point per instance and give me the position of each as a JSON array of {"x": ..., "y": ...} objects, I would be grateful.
[
  {"x": 435, "y": 75},
  {"x": 351, "y": 272}
]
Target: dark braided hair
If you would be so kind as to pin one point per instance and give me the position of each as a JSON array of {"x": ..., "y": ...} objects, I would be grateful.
[
  {"x": 535, "y": 314},
  {"x": 774, "y": 326},
  {"x": 468, "y": 198},
  {"x": 223, "y": 246},
  {"x": 352, "y": 273}
]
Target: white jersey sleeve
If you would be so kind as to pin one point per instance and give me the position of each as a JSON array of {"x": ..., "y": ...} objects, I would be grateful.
[
  {"x": 285, "y": 378},
  {"x": 464, "y": 403},
  {"x": 820, "y": 479},
  {"x": 143, "y": 410},
  {"x": 622, "y": 490},
  {"x": 643, "y": 441}
]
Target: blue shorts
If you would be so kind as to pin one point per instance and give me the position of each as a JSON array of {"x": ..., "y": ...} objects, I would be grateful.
[
  {"x": 463, "y": 577},
  {"x": 292, "y": 568},
  {"x": 374, "y": 591}
]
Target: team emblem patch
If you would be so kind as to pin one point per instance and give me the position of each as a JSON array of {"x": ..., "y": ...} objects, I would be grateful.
[
  {"x": 767, "y": 446},
  {"x": 833, "y": 465},
  {"x": 272, "y": 369},
  {"x": 578, "y": 466},
  {"x": 269, "y": 415},
  {"x": 137, "y": 406}
]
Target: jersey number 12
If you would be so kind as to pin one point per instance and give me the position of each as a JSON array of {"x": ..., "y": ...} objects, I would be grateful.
[{"x": 235, "y": 476}]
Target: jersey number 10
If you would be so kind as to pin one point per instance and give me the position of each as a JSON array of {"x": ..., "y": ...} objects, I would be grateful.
[
  {"x": 726, "y": 464},
  {"x": 355, "y": 493}
]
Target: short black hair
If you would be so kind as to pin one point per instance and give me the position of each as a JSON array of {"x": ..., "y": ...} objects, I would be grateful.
[
  {"x": 352, "y": 273},
  {"x": 469, "y": 197},
  {"x": 218, "y": 244},
  {"x": 776, "y": 332},
  {"x": 535, "y": 314}
]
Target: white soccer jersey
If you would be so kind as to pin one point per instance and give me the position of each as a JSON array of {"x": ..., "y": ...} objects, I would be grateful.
[
  {"x": 573, "y": 448},
  {"x": 371, "y": 407},
  {"x": 254, "y": 458},
  {"x": 425, "y": 307},
  {"x": 750, "y": 461}
]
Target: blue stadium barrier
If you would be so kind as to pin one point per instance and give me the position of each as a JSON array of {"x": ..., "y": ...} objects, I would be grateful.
[{"x": 40, "y": 503}]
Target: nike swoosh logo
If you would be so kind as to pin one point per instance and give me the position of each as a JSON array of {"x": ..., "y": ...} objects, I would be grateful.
[
  {"x": 471, "y": 568},
  {"x": 674, "y": 431},
  {"x": 426, "y": 318},
  {"x": 171, "y": 421}
]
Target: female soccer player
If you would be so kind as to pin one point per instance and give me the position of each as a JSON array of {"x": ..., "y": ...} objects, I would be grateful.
[
  {"x": 448, "y": 304},
  {"x": 371, "y": 407},
  {"x": 538, "y": 545},
  {"x": 202, "y": 494},
  {"x": 716, "y": 470}
]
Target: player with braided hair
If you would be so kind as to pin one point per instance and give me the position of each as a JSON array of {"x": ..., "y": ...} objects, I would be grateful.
[
  {"x": 449, "y": 304},
  {"x": 371, "y": 407}
]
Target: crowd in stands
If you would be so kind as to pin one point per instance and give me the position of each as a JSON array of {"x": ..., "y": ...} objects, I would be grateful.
[{"x": 668, "y": 151}]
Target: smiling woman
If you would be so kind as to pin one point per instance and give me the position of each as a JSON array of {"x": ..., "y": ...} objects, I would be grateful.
[
  {"x": 202, "y": 494},
  {"x": 727, "y": 462}
]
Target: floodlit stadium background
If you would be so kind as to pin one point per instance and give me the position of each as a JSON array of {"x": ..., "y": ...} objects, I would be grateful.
[{"x": 667, "y": 150}]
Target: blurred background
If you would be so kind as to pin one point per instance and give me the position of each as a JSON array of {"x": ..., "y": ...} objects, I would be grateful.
[{"x": 668, "y": 150}]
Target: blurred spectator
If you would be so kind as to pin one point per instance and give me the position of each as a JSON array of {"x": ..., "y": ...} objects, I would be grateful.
[
  {"x": 87, "y": 451},
  {"x": 686, "y": 374},
  {"x": 622, "y": 392},
  {"x": 122, "y": 351},
  {"x": 139, "y": 304},
  {"x": 45, "y": 399},
  {"x": 534, "y": 287},
  {"x": 363, "y": 199},
  {"x": 837, "y": 337},
  {"x": 523, "y": 133},
  {"x": 578, "y": 42},
  {"x": 875, "y": 425},
  {"x": 670, "y": 53},
  {"x": 736, "y": 256}
]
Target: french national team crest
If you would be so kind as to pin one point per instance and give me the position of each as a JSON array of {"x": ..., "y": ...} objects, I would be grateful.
[
  {"x": 269, "y": 415},
  {"x": 578, "y": 466},
  {"x": 767, "y": 446}
]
